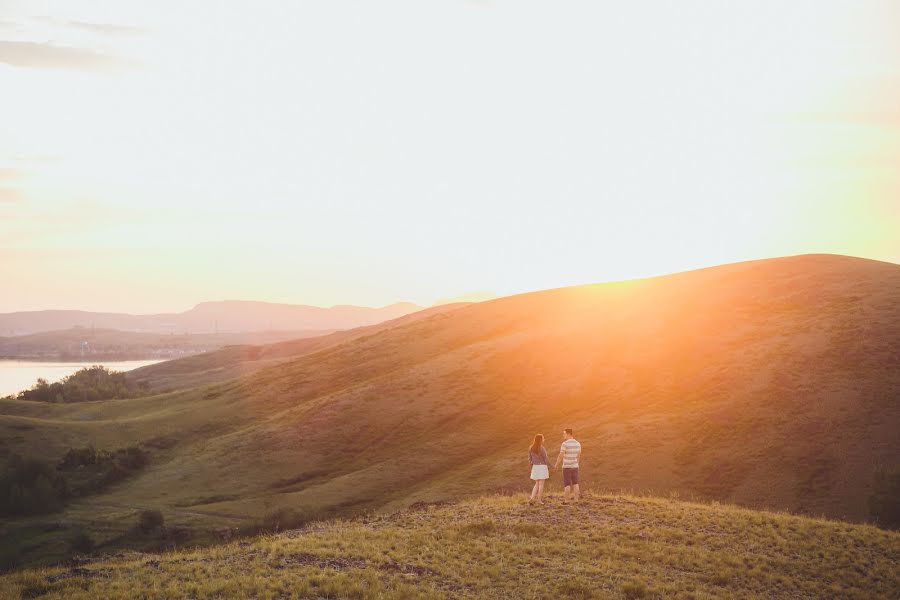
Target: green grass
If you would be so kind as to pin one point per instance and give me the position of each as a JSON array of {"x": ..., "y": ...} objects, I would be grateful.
[{"x": 608, "y": 546}]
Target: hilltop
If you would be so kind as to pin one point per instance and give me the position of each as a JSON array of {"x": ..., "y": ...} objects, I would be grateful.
[
  {"x": 770, "y": 384},
  {"x": 608, "y": 546}
]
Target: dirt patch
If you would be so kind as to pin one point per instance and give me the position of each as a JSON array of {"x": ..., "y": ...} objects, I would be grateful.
[
  {"x": 78, "y": 572},
  {"x": 418, "y": 570},
  {"x": 422, "y": 505},
  {"x": 322, "y": 562}
]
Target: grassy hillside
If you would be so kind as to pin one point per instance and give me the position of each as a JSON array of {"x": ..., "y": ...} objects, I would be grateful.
[
  {"x": 498, "y": 547},
  {"x": 245, "y": 359},
  {"x": 767, "y": 384}
]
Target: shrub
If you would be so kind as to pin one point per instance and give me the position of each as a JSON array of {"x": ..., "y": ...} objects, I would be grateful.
[
  {"x": 94, "y": 470},
  {"x": 30, "y": 486},
  {"x": 92, "y": 383},
  {"x": 634, "y": 589},
  {"x": 279, "y": 520},
  {"x": 82, "y": 543},
  {"x": 575, "y": 588},
  {"x": 150, "y": 520},
  {"x": 179, "y": 533}
]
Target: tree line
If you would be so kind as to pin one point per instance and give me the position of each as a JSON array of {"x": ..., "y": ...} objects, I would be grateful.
[
  {"x": 32, "y": 486},
  {"x": 91, "y": 383}
]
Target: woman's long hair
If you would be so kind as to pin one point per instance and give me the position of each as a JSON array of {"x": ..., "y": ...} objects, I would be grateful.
[{"x": 537, "y": 444}]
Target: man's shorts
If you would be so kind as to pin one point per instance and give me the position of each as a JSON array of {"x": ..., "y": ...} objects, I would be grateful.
[{"x": 570, "y": 477}]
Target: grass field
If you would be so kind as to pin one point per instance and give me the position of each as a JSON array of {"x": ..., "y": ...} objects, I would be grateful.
[
  {"x": 607, "y": 546},
  {"x": 769, "y": 384}
]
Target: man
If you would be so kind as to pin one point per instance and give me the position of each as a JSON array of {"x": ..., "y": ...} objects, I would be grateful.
[{"x": 569, "y": 453}]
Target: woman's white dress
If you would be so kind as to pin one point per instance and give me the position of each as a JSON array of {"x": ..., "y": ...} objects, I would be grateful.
[{"x": 540, "y": 472}]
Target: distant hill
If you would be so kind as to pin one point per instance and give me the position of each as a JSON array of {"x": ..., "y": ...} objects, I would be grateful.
[
  {"x": 771, "y": 384},
  {"x": 244, "y": 359},
  {"x": 609, "y": 546},
  {"x": 92, "y": 344},
  {"x": 209, "y": 317}
]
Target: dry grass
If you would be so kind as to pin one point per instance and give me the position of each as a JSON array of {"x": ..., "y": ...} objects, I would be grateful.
[
  {"x": 769, "y": 384},
  {"x": 499, "y": 547}
]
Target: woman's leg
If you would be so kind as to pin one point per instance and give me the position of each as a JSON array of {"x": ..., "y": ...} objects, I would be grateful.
[
  {"x": 540, "y": 489},
  {"x": 534, "y": 490}
]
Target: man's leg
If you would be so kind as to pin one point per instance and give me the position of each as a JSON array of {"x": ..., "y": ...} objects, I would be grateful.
[{"x": 574, "y": 481}]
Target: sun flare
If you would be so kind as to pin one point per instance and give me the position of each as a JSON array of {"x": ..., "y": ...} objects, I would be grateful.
[{"x": 320, "y": 143}]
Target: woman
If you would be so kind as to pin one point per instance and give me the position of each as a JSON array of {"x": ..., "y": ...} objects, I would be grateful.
[{"x": 540, "y": 471}]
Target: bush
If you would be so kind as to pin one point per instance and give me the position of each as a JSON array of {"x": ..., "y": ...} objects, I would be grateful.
[
  {"x": 575, "y": 588},
  {"x": 82, "y": 543},
  {"x": 92, "y": 383},
  {"x": 30, "y": 486},
  {"x": 285, "y": 518},
  {"x": 93, "y": 470},
  {"x": 179, "y": 534},
  {"x": 150, "y": 520},
  {"x": 884, "y": 503},
  {"x": 279, "y": 520},
  {"x": 634, "y": 589}
]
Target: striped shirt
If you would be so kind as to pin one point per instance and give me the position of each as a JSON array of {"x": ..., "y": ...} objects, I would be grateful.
[{"x": 570, "y": 450}]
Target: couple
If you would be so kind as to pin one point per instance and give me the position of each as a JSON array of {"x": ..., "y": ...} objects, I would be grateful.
[{"x": 569, "y": 453}]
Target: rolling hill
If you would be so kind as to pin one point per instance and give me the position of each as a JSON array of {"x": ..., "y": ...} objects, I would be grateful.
[
  {"x": 243, "y": 359},
  {"x": 208, "y": 317},
  {"x": 770, "y": 384},
  {"x": 616, "y": 547}
]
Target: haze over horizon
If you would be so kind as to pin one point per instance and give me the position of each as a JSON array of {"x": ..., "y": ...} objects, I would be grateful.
[{"x": 154, "y": 158}]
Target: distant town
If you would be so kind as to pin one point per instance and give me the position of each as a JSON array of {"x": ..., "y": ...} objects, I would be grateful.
[{"x": 91, "y": 344}]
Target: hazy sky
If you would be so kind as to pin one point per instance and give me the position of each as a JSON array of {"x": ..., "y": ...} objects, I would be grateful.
[{"x": 157, "y": 154}]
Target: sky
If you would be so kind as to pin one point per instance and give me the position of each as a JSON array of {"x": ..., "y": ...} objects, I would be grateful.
[{"x": 158, "y": 154}]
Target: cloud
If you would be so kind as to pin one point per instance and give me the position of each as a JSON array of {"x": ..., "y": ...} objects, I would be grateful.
[
  {"x": 49, "y": 56},
  {"x": 111, "y": 29}
]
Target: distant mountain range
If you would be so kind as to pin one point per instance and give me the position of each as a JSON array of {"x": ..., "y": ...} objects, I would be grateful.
[
  {"x": 98, "y": 345},
  {"x": 229, "y": 316}
]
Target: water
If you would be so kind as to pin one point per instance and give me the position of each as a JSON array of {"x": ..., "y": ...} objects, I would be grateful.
[{"x": 17, "y": 375}]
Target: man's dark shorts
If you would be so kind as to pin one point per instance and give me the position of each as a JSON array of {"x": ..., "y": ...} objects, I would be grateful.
[{"x": 570, "y": 477}]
